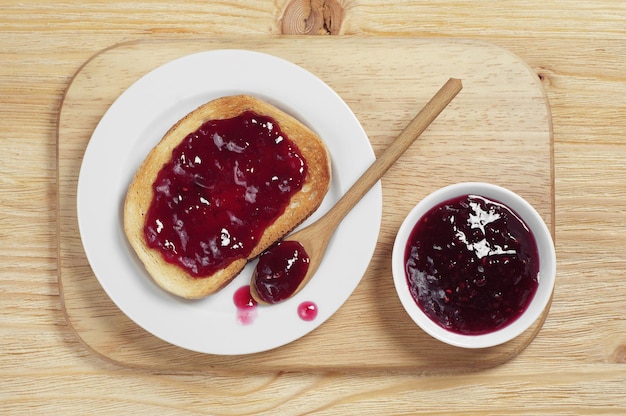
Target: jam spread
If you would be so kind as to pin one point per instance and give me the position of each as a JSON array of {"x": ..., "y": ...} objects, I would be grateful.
[
  {"x": 280, "y": 270},
  {"x": 223, "y": 186},
  {"x": 472, "y": 265}
]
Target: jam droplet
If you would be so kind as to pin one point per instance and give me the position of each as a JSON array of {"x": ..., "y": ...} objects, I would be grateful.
[
  {"x": 307, "y": 311},
  {"x": 246, "y": 305},
  {"x": 472, "y": 265},
  {"x": 280, "y": 270},
  {"x": 223, "y": 186}
]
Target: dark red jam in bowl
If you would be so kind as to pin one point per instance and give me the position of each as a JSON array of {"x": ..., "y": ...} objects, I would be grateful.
[
  {"x": 280, "y": 270},
  {"x": 472, "y": 265},
  {"x": 224, "y": 185}
]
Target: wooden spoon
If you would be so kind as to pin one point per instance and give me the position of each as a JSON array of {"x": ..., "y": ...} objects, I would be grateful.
[{"x": 314, "y": 239}]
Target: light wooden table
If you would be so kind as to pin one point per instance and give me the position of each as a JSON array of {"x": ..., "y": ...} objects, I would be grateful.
[{"x": 577, "y": 363}]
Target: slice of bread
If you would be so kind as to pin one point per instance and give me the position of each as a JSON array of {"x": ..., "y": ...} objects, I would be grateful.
[{"x": 177, "y": 280}]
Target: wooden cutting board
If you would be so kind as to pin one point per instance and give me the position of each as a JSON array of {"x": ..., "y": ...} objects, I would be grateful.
[{"x": 497, "y": 130}]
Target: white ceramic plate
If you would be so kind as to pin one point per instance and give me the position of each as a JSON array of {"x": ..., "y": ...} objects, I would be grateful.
[{"x": 136, "y": 122}]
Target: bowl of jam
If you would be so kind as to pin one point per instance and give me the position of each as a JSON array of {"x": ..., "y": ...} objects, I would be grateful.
[{"x": 474, "y": 265}]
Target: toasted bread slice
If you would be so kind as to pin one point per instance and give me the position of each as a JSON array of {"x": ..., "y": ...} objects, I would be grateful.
[{"x": 302, "y": 204}]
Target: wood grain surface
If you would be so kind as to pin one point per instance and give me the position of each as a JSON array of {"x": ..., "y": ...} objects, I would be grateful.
[
  {"x": 575, "y": 365},
  {"x": 497, "y": 130}
]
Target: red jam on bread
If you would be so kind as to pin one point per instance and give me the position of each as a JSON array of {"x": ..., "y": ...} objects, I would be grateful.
[{"x": 225, "y": 183}]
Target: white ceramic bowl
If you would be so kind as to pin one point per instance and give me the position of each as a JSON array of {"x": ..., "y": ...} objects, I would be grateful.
[{"x": 547, "y": 265}]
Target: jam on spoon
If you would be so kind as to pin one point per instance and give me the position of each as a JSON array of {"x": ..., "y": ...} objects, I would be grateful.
[
  {"x": 313, "y": 240},
  {"x": 280, "y": 271}
]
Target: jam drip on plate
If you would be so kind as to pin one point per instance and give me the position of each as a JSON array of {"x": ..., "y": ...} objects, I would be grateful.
[
  {"x": 224, "y": 185},
  {"x": 472, "y": 265}
]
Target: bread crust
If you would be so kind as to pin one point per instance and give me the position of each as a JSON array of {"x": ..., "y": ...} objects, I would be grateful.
[{"x": 175, "y": 279}]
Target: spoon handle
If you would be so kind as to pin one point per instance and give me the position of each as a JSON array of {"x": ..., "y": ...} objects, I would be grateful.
[{"x": 378, "y": 168}]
